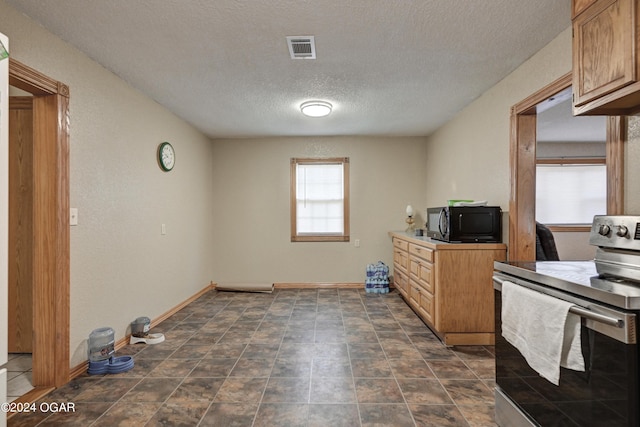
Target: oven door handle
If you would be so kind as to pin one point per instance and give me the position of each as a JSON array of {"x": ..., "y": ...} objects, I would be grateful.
[
  {"x": 586, "y": 313},
  {"x": 596, "y": 317}
]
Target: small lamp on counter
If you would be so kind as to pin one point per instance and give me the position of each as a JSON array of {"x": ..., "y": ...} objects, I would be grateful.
[{"x": 409, "y": 219}]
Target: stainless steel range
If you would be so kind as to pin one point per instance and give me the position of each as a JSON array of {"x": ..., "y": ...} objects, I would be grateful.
[
  {"x": 605, "y": 294},
  {"x": 618, "y": 241}
]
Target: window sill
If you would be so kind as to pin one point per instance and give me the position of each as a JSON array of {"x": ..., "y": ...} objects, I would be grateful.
[
  {"x": 577, "y": 228},
  {"x": 320, "y": 238}
]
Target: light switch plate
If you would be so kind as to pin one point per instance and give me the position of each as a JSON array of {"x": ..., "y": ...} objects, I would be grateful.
[{"x": 73, "y": 216}]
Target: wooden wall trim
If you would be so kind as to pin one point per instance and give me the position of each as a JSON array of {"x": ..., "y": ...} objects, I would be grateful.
[
  {"x": 572, "y": 161},
  {"x": 319, "y": 285},
  {"x": 21, "y": 103},
  {"x": 63, "y": 238},
  {"x": 522, "y": 164},
  {"x": 182, "y": 305},
  {"x": 51, "y": 268},
  {"x": 31, "y": 396},
  {"x": 81, "y": 368},
  {"x": 522, "y": 229},
  {"x": 616, "y": 137},
  {"x": 522, "y": 161},
  {"x": 569, "y": 228},
  {"x": 51, "y": 245},
  {"x": 527, "y": 105},
  {"x": 34, "y": 82}
]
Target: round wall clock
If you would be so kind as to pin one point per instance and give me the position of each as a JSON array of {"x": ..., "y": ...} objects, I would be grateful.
[{"x": 166, "y": 156}]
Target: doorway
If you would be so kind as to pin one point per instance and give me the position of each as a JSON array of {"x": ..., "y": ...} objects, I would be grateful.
[
  {"x": 522, "y": 227},
  {"x": 49, "y": 252}
]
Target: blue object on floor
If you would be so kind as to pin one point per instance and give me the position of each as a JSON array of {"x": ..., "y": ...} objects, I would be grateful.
[
  {"x": 120, "y": 364},
  {"x": 114, "y": 365},
  {"x": 377, "y": 280},
  {"x": 98, "y": 368}
]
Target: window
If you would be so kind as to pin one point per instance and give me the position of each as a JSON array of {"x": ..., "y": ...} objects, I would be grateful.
[
  {"x": 570, "y": 192},
  {"x": 320, "y": 200}
]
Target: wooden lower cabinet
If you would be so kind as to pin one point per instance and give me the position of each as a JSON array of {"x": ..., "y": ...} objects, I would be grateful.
[{"x": 449, "y": 285}]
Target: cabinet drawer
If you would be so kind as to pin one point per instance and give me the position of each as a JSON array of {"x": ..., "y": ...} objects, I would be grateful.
[
  {"x": 400, "y": 244},
  {"x": 421, "y": 251},
  {"x": 400, "y": 259},
  {"x": 422, "y": 271}
]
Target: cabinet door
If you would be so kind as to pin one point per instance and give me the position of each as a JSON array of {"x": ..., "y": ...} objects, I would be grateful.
[
  {"x": 414, "y": 294},
  {"x": 427, "y": 307},
  {"x": 422, "y": 301},
  {"x": 400, "y": 259},
  {"x": 422, "y": 272},
  {"x": 401, "y": 282},
  {"x": 579, "y": 5},
  {"x": 604, "y": 54}
]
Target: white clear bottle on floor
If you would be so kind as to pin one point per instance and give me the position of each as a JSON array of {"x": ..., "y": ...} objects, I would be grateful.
[{"x": 101, "y": 344}]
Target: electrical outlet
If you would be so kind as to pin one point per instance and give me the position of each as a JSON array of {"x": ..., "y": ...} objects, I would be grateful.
[
  {"x": 357, "y": 243},
  {"x": 163, "y": 229}
]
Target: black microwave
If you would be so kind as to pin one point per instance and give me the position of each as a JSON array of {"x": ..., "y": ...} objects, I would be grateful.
[{"x": 465, "y": 224}]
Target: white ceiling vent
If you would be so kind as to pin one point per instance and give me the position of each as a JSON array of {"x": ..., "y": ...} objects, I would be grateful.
[{"x": 302, "y": 47}]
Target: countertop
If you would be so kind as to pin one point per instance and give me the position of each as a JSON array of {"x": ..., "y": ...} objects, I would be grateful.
[
  {"x": 577, "y": 277},
  {"x": 440, "y": 245}
]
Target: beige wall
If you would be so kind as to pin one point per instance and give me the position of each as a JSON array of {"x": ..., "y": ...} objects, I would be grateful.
[
  {"x": 556, "y": 150},
  {"x": 121, "y": 267},
  {"x": 252, "y": 231},
  {"x": 574, "y": 246},
  {"x": 468, "y": 158}
]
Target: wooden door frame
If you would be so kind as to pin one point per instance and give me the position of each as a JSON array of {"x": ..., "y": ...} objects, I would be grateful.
[
  {"x": 51, "y": 248},
  {"x": 522, "y": 161}
]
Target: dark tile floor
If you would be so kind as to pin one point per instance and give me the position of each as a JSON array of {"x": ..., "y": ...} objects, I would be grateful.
[{"x": 327, "y": 357}]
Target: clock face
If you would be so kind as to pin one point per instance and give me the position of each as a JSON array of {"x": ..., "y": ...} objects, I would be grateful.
[{"x": 166, "y": 156}]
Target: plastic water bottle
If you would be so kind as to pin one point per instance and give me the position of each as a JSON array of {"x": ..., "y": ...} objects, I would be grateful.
[
  {"x": 101, "y": 344},
  {"x": 140, "y": 327}
]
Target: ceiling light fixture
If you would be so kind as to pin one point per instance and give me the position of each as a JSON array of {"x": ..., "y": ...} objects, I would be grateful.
[{"x": 316, "y": 108}]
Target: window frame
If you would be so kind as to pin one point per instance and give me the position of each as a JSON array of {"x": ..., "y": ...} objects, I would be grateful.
[
  {"x": 571, "y": 161},
  {"x": 308, "y": 237}
]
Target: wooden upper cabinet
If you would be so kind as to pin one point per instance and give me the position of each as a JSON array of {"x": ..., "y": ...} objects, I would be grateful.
[
  {"x": 605, "y": 57},
  {"x": 579, "y": 5}
]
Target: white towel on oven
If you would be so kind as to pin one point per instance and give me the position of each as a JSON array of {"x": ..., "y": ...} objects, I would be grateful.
[{"x": 542, "y": 329}]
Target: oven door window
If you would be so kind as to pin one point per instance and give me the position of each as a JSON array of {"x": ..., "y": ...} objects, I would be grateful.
[{"x": 606, "y": 394}]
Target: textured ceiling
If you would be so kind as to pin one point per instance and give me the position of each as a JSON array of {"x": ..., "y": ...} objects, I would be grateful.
[{"x": 389, "y": 67}]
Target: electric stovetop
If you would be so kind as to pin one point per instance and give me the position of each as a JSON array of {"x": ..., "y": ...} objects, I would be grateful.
[{"x": 579, "y": 278}]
